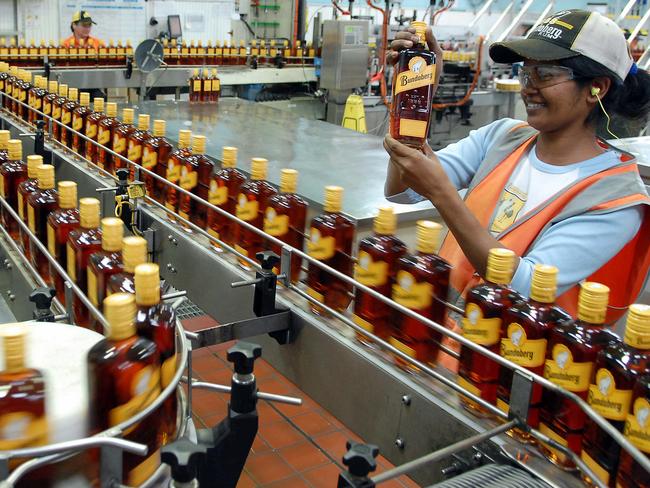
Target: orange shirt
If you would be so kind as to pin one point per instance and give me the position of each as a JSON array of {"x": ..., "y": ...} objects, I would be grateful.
[{"x": 90, "y": 42}]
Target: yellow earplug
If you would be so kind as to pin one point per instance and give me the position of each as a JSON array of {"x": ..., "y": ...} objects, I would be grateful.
[{"x": 595, "y": 91}]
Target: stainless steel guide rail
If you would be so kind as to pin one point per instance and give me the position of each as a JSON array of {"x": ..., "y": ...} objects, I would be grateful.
[{"x": 288, "y": 252}]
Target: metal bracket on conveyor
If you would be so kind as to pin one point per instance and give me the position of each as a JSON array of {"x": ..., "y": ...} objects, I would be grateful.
[
  {"x": 42, "y": 298},
  {"x": 126, "y": 200}
]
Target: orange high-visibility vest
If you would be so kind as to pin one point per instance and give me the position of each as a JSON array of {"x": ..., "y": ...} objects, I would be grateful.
[
  {"x": 91, "y": 42},
  {"x": 614, "y": 188}
]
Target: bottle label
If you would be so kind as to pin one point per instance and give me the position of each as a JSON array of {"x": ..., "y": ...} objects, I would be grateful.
[
  {"x": 216, "y": 85},
  {"x": 369, "y": 272},
  {"x": 364, "y": 324},
  {"x": 468, "y": 386},
  {"x": 2, "y": 186},
  {"x": 549, "y": 432},
  {"x": 167, "y": 371},
  {"x": 173, "y": 172},
  {"x": 66, "y": 117},
  {"x": 502, "y": 405},
  {"x": 207, "y": 85},
  {"x": 241, "y": 250},
  {"x": 145, "y": 387},
  {"x": 637, "y": 425},
  {"x": 77, "y": 123},
  {"x": 22, "y": 429},
  {"x": 315, "y": 295},
  {"x": 274, "y": 224},
  {"x": 397, "y": 344},
  {"x": 409, "y": 293},
  {"x": 135, "y": 151},
  {"x": 606, "y": 399},
  {"x": 189, "y": 179},
  {"x": 149, "y": 158},
  {"x": 21, "y": 207},
  {"x": 31, "y": 220},
  {"x": 196, "y": 86},
  {"x": 184, "y": 215},
  {"x": 516, "y": 347},
  {"x": 412, "y": 128},
  {"x": 418, "y": 75},
  {"x": 595, "y": 467},
  {"x": 562, "y": 371},
  {"x": 246, "y": 210},
  {"x": 104, "y": 136},
  {"x": 91, "y": 130},
  {"x": 51, "y": 240},
  {"x": 56, "y": 112},
  {"x": 319, "y": 247},
  {"x": 218, "y": 195},
  {"x": 71, "y": 262},
  {"x": 119, "y": 144},
  {"x": 93, "y": 292},
  {"x": 478, "y": 329},
  {"x": 37, "y": 103},
  {"x": 214, "y": 234}
]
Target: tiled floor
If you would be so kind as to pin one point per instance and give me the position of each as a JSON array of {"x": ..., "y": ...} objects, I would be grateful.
[{"x": 295, "y": 446}]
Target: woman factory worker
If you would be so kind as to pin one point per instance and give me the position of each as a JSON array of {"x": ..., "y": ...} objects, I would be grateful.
[
  {"x": 80, "y": 25},
  {"x": 548, "y": 189}
]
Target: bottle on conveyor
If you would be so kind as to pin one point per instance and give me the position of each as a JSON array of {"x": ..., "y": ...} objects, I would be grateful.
[
  {"x": 215, "y": 87},
  {"x": 120, "y": 135},
  {"x": 38, "y": 94},
  {"x": 9, "y": 86},
  {"x": 134, "y": 253},
  {"x": 637, "y": 430},
  {"x": 195, "y": 177},
  {"x": 195, "y": 86},
  {"x": 79, "y": 117},
  {"x": 206, "y": 91},
  {"x": 66, "y": 117},
  {"x": 92, "y": 131},
  {"x": 50, "y": 96},
  {"x": 12, "y": 173},
  {"x": 105, "y": 133},
  {"x": 40, "y": 203},
  {"x": 27, "y": 187},
  {"x": 135, "y": 143},
  {"x": 155, "y": 156},
  {"x": 23, "y": 108},
  {"x": 57, "y": 108},
  {"x": 173, "y": 173}
]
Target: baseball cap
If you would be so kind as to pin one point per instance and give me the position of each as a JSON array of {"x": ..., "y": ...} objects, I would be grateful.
[
  {"x": 567, "y": 34},
  {"x": 82, "y": 16}
]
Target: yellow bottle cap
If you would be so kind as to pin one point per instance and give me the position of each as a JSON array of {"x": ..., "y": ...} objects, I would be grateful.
[
  {"x": 120, "y": 310},
  {"x": 134, "y": 252},
  {"x": 184, "y": 138},
  {"x": 53, "y": 86},
  {"x": 13, "y": 341},
  {"x": 259, "y": 168},
  {"x": 543, "y": 286},
  {"x": 33, "y": 162},
  {"x": 637, "y": 329},
  {"x": 5, "y": 135},
  {"x": 89, "y": 213},
  {"x": 159, "y": 127},
  {"x": 111, "y": 42},
  {"x": 242, "y": 43},
  {"x": 63, "y": 90},
  {"x": 84, "y": 99},
  {"x": 67, "y": 194},
  {"x": 427, "y": 236},
  {"x": 15, "y": 149},
  {"x": 420, "y": 29},
  {"x": 500, "y": 266},
  {"x": 73, "y": 94},
  {"x": 198, "y": 144},
  {"x": 196, "y": 72},
  {"x": 143, "y": 122},
  {"x": 165, "y": 42},
  {"x": 45, "y": 176},
  {"x": 228, "y": 157},
  {"x": 147, "y": 284},
  {"x": 272, "y": 42},
  {"x": 112, "y": 234},
  {"x": 288, "y": 180},
  {"x": 111, "y": 109},
  {"x": 298, "y": 43},
  {"x": 206, "y": 72},
  {"x": 592, "y": 302},
  {"x": 214, "y": 72},
  {"x": 385, "y": 222},
  {"x": 127, "y": 115},
  {"x": 98, "y": 104},
  {"x": 333, "y": 199}
]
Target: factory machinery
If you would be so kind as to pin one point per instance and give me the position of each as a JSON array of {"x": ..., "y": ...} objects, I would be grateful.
[{"x": 414, "y": 418}]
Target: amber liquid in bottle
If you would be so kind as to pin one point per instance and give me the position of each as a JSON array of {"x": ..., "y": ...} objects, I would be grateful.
[
  {"x": 413, "y": 90},
  {"x": 155, "y": 156},
  {"x": 195, "y": 177},
  {"x": 637, "y": 430},
  {"x": 252, "y": 201},
  {"x": 38, "y": 95},
  {"x": 12, "y": 173},
  {"x": 570, "y": 361},
  {"x": 48, "y": 99},
  {"x": 92, "y": 131},
  {"x": 421, "y": 280},
  {"x": 57, "y": 107},
  {"x": 175, "y": 162},
  {"x": 484, "y": 309},
  {"x": 4, "y": 72},
  {"x": 135, "y": 143},
  {"x": 79, "y": 117},
  {"x": 218, "y": 53},
  {"x": 157, "y": 322},
  {"x": 184, "y": 58},
  {"x": 120, "y": 135},
  {"x": 134, "y": 253},
  {"x": 23, "y": 111},
  {"x": 206, "y": 92},
  {"x": 82, "y": 242},
  {"x": 105, "y": 133},
  {"x": 40, "y": 203},
  {"x": 59, "y": 225},
  {"x": 331, "y": 236},
  {"x": 285, "y": 218},
  {"x": 617, "y": 369},
  {"x": 195, "y": 87},
  {"x": 216, "y": 87},
  {"x": 105, "y": 263},
  {"x": 9, "y": 88},
  {"x": 123, "y": 379},
  {"x": 66, "y": 117},
  {"x": 376, "y": 268},
  {"x": 26, "y": 188}
]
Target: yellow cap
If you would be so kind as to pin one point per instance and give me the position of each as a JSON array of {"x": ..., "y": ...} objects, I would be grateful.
[
  {"x": 500, "y": 266},
  {"x": 143, "y": 122},
  {"x": 184, "y": 138},
  {"x": 285, "y": 43},
  {"x": 98, "y": 104},
  {"x": 228, "y": 157},
  {"x": 84, "y": 99},
  {"x": 196, "y": 71},
  {"x": 127, "y": 115},
  {"x": 206, "y": 72},
  {"x": 33, "y": 162},
  {"x": 112, "y": 234},
  {"x": 53, "y": 86},
  {"x": 592, "y": 302},
  {"x": 385, "y": 222},
  {"x": 637, "y": 329},
  {"x": 288, "y": 180},
  {"x": 214, "y": 71},
  {"x": 89, "y": 213},
  {"x": 420, "y": 29},
  {"x": 15, "y": 149},
  {"x": 147, "y": 284},
  {"x": 73, "y": 93},
  {"x": 67, "y": 194},
  {"x": 333, "y": 199},
  {"x": 427, "y": 236},
  {"x": 543, "y": 286},
  {"x": 134, "y": 252},
  {"x": 5, "y": 135},
  {"x": 45, "y": 176},
  {"x": 159, "y": 127},
  {"x": 13, "y": 341},
  {"x": 120, "y": 310},
  {"x": 259, "y": 168},
  {"x": 111, "y": 109},
  {"x": 63, "y": 90},
  {"x": 198, "y": 144}
]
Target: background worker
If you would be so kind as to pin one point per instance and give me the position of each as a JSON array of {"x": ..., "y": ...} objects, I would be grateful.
[{"x": 81, "y": 26}]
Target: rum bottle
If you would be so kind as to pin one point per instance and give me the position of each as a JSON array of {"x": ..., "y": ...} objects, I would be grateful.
[
  {"x": 285, "y": 218},
  {"x": 421, "y": 281},
  {"x": 195, "y": 177},
  {"x": 4, "y": 71},
  {"x": 40, "y": 203},
  {"x": 73, "y": 53},
  {"x": 255, "y": 51},
  {"x": 185, "y": 54},
  {"x": 66, "y": 117},
  {"x": 135, "y": 143},
  {"x": 123, "y": 379},
  {"x": 12, "y": 173},
  {"x": 92, "y": 131},
  {"x": 120, "y": 135},
  {"x": 59, "y": 225},
  {"x": 218, "y": 54},
  {"x": 206, "y": 92},
  {"x": 376, "y": 268},
  {"x": 224, "y": 190},
  {"x": 134, "y": 253},
  {"x": 82, "y": 242},
  {"x": 105, "y": 134},
  {"x": 195, "y": 86},
  {"x": 4, "y": 141},
  {"x": 482, "y": 325},
  {"x": 413, "y": 91},
  {"x": 617, "y": 369},
  {"x": 241, "y": 55},
  {"x": 79, "y": 117},
  {"x": 25, "y": 86},
  {"x": 194, "y": 53},
  {"x": 174, "y": 58},
  {"x": 154, "y": 158},
  {"x": 112, "y": 53},
  {"x": 252, "y": 201},
  {"x": 57, "y": 106},
  {"x": 210, "y": 54},
  {"x": 27, "y": 187},
  {"x": 106, "y": 262},
  {"x": 48, "y": 99},
  {"x": 570, "y": 361},
  {"x": 38, "y": 94},
  {"x": 62, "y": 54},
  {"x": 637, "y": 430},
  {"x": 215, "y": 87},
  {"x": 330, "y": 241},
  {"x": 173, "y": 173},
  {"x": 157, "y": 322},
  {"x": 9, "y": 88}
]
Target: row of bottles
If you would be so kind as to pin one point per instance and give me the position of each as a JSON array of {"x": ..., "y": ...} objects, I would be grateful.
[{"x": 205, "y": 86}]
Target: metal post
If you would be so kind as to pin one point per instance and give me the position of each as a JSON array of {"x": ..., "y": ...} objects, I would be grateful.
[
  {"x": 515, "y": 22},
  {"x": 639, "y": 26},
  {"x": 625, "y": 11},
  {"x": 110, "y": 466}
]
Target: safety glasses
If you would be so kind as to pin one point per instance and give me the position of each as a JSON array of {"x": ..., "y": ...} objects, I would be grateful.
[{"x": 544, "y": 75}]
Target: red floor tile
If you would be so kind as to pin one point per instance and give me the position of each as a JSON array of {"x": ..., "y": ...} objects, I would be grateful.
[
  {"x": 280, "y": 434},
  {"x": 323, "y": 477},
  {"x": 207, "y": 404},
  {"x": 260, "y": 445},
  {"x": 304, "y": 456},
  {"x": 245, "y": 481},
  {"x": 333, "y": 443},
  {"x": 206, "y": 363},
  {"x": 293, "y": 482},
  {"x": 221, "y": 376},
  {"x": 267, "y": 467},
  {"x": 313, "y": 423},
  {"x": 267, "y": 412}
]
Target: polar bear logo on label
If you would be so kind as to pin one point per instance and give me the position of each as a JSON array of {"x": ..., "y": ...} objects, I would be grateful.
[
  {"x": 562, "y": 358},
  {"x": 516, "y": 337},
  {"x": 417, "y": 66},
  {"x": 642, "y": 416},
  {"x": 603, "y": 385},
  {"x": 406, "y": 282},
  {"x": 364, "y": 262}
]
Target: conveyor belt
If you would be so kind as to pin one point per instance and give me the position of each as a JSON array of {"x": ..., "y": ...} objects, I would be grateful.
[{"x": 493, "y": 476}]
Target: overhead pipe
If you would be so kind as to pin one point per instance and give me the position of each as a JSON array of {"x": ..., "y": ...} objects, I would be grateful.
[{"x": 515, "y": 22}]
